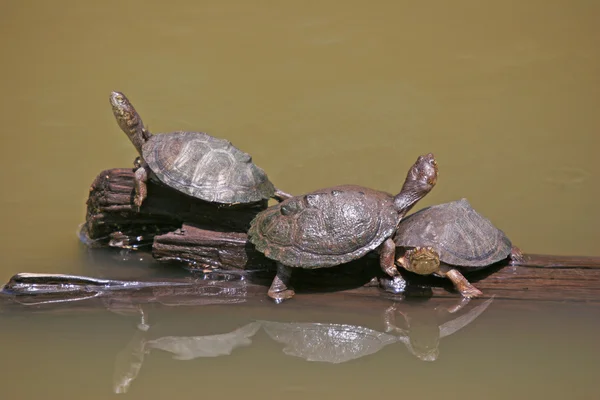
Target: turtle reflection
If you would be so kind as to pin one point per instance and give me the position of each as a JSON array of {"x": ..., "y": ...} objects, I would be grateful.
[
  {"x": 332, "y": 343},
  {"x": 129, "y": 361},
  {"x": 337, "y": 343},
  {"x": 423, "y": 330}
]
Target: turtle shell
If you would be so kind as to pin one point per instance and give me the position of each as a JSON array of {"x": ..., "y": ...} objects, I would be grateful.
[
  {"x": 459, "y": 234},
  {"x": 206, "y": 167},
  {"x": 325, "y": 228}
]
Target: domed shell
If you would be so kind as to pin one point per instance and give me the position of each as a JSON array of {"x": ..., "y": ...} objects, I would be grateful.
[
  {"x": 459, "y": 234},
  {"x": 206, "y": 167},
  {"x": 325, "y": 228}
]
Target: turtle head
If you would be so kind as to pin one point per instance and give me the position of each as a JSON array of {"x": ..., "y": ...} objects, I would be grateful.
[
  {"x": 421, "y": 260},
  {"x": 425, "y": 341},
  {"x": 421, "y": 178},
  {"x": 424, "y": 171},
  {"x": 129, "y": 120}
]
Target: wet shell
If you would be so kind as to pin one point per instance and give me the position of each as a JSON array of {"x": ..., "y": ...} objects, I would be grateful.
[
  {"x": 326, "y": 227},
  {"x": 206, "y": 167},
  {"x": 457, "y": 232}
]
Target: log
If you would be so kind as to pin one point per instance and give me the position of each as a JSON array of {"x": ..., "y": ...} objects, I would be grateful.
[
  {"x": 206, "y": 248},
  {"x": 541, "y": 277},
  {"x": 338, "y": 285},
  {"x": 112, "y": 220}
]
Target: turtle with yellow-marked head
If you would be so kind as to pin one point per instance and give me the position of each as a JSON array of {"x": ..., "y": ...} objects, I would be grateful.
[{"x": 448, "y": 238}]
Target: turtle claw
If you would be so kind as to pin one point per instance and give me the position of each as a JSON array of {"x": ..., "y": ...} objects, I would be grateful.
[
  {"x": 396, "y": 285},
  {"x": 516, "y": 256},
  {"x": 471, "y": 292},
  {"x": 280, "y": 289},
  {"x": 137, "y": 201},
  {"x": 279, "y": 297}
]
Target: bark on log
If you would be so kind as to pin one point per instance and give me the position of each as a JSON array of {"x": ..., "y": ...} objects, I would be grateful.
[
  {"x": 111, "y": 216},
  {"x": 207, "y": 248}
]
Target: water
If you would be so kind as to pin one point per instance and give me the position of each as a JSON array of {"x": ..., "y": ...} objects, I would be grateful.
[{"x": 504, "y": 94}]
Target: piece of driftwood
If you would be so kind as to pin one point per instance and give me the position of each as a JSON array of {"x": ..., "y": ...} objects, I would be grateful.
[
  {"x": 207, "y": 248},
  {"x": 111, "y": 217}
]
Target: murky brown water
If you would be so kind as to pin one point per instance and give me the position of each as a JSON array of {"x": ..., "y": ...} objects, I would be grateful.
[{"x": 505, "y": 94}]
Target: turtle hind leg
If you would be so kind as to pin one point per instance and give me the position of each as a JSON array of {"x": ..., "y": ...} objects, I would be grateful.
[
  {"x": 460, "y": 283},
  {"x": 516, "y": 256},
  {"x": 281, "y": 289},
  {"x": 141, "y": 190}
]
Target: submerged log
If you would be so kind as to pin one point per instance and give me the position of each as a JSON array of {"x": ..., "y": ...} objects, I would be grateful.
[{"x": 111, "y": 215}]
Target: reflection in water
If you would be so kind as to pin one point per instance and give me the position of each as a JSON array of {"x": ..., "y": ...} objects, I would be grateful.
[
  {"x": 332, "y": 343},
  {"x": 424, "y": 330},
  {"x": 323, "y": 342},
  {"x": 188, "y": 348},
  {"x": 337, "y": 343},
  {"x": 129, "y": 361}
]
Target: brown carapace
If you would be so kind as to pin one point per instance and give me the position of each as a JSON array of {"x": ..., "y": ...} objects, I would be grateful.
[{"x": 336, "y": 225}]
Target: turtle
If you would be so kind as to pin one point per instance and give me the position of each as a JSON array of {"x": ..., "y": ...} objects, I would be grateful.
[
  {"x": 336, "y": 225},
  {"x": 194, "y": 163},
  {"x": 446, "y": 238}
]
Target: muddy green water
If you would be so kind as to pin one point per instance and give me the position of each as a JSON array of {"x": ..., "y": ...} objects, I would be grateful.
[{"x": 320, "y": 93}]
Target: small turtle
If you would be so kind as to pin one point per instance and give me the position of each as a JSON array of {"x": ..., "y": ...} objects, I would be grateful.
[
  {"x": 336, "y": 225},
  {"x": 455, "y": 235},
  {"x": 193, "y": 163}
]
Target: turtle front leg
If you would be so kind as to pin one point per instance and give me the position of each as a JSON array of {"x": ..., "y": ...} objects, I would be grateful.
[
  {"x": 387, "y": 255},
  {"x": 141, "y": 177},
  {"x": 389, "y": 320},
  {"x": 281, "y": 289},
  {"x": 460, "y": 282}
]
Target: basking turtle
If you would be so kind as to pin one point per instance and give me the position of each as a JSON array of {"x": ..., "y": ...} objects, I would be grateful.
[
  {"x": 336, "y": 225},
  {"x": 455, "y": 235},
  {"x": 194, "y": 163}
]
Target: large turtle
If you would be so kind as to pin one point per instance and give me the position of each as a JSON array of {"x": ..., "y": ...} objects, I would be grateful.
[
  {"x": 447, "y": 237},
  {"x": 336, "y": 225},
  {"x": 194, "y": 163}
]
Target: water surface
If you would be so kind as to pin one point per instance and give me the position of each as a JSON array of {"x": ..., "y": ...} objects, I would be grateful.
[{"x": 504, "y": 93}]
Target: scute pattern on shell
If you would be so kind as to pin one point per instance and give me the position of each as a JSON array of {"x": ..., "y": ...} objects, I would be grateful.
[
  {"x": 460, "y": 235},
  {"x": 206, "y": 167},
  {"x": 326, "y": 227}
]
